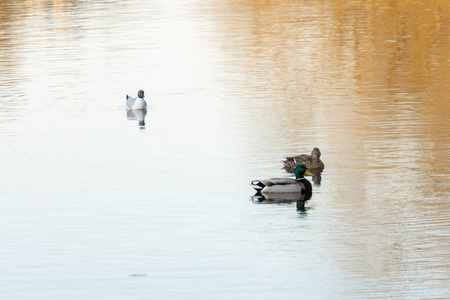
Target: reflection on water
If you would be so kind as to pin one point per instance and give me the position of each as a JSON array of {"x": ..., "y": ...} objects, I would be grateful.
[
  {"x": 283, "y": 198},
  {"x": 236, "y": 85},
  {"x": 317, "y": 178},
  {"x": 137, "y": 114}
]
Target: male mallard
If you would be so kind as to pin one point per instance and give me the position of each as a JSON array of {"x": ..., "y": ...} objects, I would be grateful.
[
  {"x": 285, "y": 185},
  {"x": 312, "y": 162}
]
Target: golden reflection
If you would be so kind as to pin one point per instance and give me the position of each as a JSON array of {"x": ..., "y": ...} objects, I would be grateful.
[
  {"x": 367, "y": 83},
  {"x": 344, "y": 74},
  {"x": 38, "y": 39}
]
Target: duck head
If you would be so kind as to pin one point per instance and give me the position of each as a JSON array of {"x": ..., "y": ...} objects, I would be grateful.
[
  {"x": 300, "y": 171},
  {"x": 315, "y": 154}
]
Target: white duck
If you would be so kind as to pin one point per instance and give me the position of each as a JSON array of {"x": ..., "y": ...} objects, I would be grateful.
[
  {"x": 285, "y": 185},
  {"x": 138, "y": 102}
]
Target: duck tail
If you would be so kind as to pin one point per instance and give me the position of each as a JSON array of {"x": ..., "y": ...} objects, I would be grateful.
[
  {"x": 289, "y": 163},
  {"x": 257, "y": 185}
]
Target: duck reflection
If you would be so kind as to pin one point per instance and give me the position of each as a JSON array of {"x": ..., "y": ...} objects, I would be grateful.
[
  {"x": 282, "y": 198},
  {"x": 137, "y": 114},
  {"x": 316, "y": 176}
]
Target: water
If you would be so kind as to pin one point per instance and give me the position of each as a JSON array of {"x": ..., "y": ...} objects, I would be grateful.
[{"x": 95, "y": 206}]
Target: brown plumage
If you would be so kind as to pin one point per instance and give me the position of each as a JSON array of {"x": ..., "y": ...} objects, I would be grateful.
[{"x": 312, "y": 162}]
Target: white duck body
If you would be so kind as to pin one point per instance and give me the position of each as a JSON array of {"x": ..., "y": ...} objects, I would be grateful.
[
  {"x": 140, "y": 103},
  {"x": 136, "y": 103},
  {"x": 282, "y": 185},
  {"x": 130, "y": 101}
]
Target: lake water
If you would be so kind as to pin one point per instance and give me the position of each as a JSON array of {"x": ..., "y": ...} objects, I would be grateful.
[{"x": 94, "y": 206}]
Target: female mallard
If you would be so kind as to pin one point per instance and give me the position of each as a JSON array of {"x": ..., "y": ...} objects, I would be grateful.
[
  {"x": 312, "y": 162},
  {"x": 285, "y": 185}
]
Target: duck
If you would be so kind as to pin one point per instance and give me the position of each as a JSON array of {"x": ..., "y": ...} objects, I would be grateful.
[
  {"x": 299, "y": 185},
  {"x": 312, "y": 162},
  {"x": 137, "y": 103}
]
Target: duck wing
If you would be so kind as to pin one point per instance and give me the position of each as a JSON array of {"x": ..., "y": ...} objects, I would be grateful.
[
  {"x": 130, "y": 101},
  {"x": 262, "y": 183},
  {"x": 298, "y": 158},
  {"x": 290, "y": 162},
  {"x": 303, "y": 159},
  {"x": 278, "y": 181}
]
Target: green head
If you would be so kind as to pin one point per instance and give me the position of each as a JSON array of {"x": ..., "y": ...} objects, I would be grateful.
[{"x": 300, "y": 171}]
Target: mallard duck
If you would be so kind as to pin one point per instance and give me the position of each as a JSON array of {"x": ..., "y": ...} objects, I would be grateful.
[
  {"x": 312, "y": 162},
  {"x": 285, "y": 185},
  {"x": 137, "y": 103}
]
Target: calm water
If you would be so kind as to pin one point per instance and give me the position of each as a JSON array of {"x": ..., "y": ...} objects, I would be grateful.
[{"x": 94, "y": 206}]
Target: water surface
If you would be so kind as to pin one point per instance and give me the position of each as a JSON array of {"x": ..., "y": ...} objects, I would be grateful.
[{"x": 96, "y": 206}]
